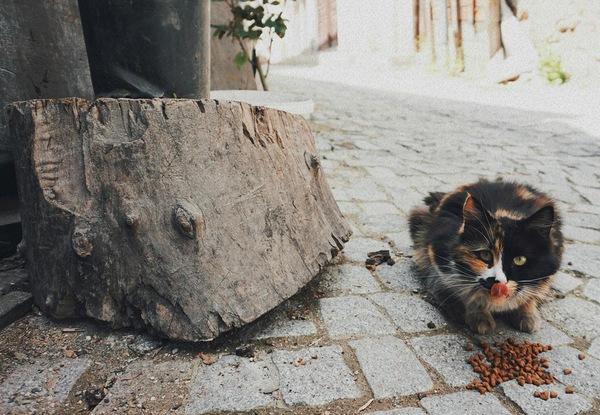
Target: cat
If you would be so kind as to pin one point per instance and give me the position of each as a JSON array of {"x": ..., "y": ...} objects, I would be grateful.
[{"x": 483, "y": 236}]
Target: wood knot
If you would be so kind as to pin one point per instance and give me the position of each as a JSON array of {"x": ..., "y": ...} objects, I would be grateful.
[
  {"x": 188, "y": 219},
  {"x": 81, "y": 241}
]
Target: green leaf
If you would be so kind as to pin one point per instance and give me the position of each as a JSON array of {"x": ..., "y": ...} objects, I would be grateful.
[{"x": 240, "y": 59}]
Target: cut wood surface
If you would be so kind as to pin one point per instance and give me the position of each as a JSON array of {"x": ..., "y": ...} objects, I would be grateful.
[{"x": 185, "y": 217}]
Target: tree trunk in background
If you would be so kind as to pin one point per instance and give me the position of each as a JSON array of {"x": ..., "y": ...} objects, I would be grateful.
[{"x": 188, "y": 218}]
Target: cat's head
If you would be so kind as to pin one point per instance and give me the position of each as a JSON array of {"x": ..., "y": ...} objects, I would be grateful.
[{"x": 509, "y": 247}]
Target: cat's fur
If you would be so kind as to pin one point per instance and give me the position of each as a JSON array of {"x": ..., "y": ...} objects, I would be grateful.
[{"x": 507, "y": 219}]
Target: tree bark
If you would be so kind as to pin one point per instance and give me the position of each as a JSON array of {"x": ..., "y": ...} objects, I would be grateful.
[{"x": 185, "y": 217}]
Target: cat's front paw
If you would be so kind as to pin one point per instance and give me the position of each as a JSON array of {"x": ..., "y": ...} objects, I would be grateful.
[
  {"x": 527, "y": 322},
  {"x": 481, "y": 323}
]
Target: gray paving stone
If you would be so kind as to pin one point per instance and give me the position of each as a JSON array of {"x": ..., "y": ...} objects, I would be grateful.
[
  {"x": 583, "y": 258},
  {"x": 564, "y": 404},
  {"x": 402, "y": 241},
  {"x": 383, "y": 224},
  {"x": 284, "y": 327},
  {"x": 390, "y": 367},
  {"x": 565, "y": 283},
  {"x": 357, "y": 248},
  {"x": 594, "y": 349},
  {"x": 232, "y": 384},
  {"x": 547, "y": 334},
  {"x": 143, "y": 380},
  {"x": 576, "y": 233},
  {"x": 575, "y": 316},
  {"x": 585, "y": 376},
  {"x": 40, "y": 387},
  {"x": 461, "y": 403},
  {"x": 379, "y": 208},
  {"x": 353, "y": 316},
  {"x": 447, "y": 355},
  {"x": 401, "y": 411},
  {"x": 349, "y": 279},
  {"x": 319, "y": 376},
  {"x": 349, "y": 208},
  {"x": 410, "y": 313},
  {"x": 401, "y": 276},
  {"x": 14, "y": 305},
  {"x": 592, "y": 290}
]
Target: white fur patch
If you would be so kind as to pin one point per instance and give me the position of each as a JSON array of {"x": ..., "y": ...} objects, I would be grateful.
[{"x": 495, "y": 272}]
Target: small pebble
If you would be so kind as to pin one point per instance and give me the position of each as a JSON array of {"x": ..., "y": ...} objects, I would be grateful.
[
  {"x": 581, "y": 356},
  {"x": 431, "y": 325}
]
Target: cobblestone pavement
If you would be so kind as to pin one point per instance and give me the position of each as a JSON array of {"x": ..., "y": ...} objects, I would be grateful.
[{"x": 355, "y": 338}]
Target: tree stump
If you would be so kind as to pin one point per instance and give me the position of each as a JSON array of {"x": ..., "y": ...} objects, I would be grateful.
[{"x": 188, "y": 218}]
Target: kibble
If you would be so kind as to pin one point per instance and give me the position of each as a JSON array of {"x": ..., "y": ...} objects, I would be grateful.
[
  {"x": 507, "y": 361},
  {"x": 581, "y": 356},
  {"x": 553, "y": 394},
  {"x": 567, "y": 371},
  {"x": 569, "y": 389}
]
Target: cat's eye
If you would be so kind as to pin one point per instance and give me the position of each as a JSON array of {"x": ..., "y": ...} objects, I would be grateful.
[
  {"x": 519, "y": 260},
  {"x": 484, "y": 255}
]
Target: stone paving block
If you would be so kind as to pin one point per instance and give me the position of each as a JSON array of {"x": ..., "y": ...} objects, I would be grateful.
[
  {"x": 380, "y": 173},
  {"x": 357, "y": 248},
  {"x": 402, "y": 241},
  {"x": 14, "y": 305},
  {"x": 349, "y": 279},
  {"x": 592, "y": 290},
  {"x": 594, "y": 349},
  {"x": 379, "y": 208},
  {"x": 575, "y": 316},
  {"x": 314, "y": 376},
  {"x": 547, "y": 334},
  {"x": 390, "y": 367},
  {"x": 461, "y": 403},
  {"x": 232, "y": 384},
  {"x": 585, "y": 376},
  {"x": 583, "y": 258},
  {"x": 401, "y": 411},
  {"x": 353, "y": 316},
  {"x": 40, "y": 387},
  {"x": 447, "y": 355},
  {"x": 284, "y": 327},
  {"x": 582, "y": 219},
  {"x": 410, "y": 313},
  {"x": 365, "y": 190},
  {"x": 401, "y": 276},
  {"x": 564, "y": 404},
  {"x": 383, "y": 224},
  {"x": 150, "y": 384},
  {"x": 576, "y": 233},
  {"x": 565, "y": 283}
]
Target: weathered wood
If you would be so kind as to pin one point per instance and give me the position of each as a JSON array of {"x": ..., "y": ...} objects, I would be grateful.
[
  {"x": 186, "y": 217},
  {"x": 42, "y": 53}
]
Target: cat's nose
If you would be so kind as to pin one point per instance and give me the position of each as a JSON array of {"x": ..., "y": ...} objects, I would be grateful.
[{"x": 488, "y": 282}]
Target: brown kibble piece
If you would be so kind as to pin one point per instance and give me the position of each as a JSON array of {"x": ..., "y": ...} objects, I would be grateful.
[
  {"x": 567, "y": 371},
  {"x": 569, "y": 389},
  {"x": 553, "y": 394},
  {"x": 544, "y": 395},
  {"x": 469, "y": 347},
  {"x": 581, "y": 356}
]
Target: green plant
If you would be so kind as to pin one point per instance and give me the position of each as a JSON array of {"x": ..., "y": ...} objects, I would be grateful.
[
  {"x": 252, "y": 19},
  {"x": 551, "y": 69}
]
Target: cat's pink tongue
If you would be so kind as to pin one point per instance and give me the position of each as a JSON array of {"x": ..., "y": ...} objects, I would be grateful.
[{"x": 499, "y": 290}]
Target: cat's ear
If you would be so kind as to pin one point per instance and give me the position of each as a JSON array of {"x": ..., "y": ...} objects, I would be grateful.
[
  {"x": 542, "y": 220},
  {"x": 474, "y": 213},
  {"x": 472, "y": 208}
]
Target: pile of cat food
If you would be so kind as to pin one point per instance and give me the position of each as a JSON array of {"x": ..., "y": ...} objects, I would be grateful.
[{"x": 511, "y": 360}]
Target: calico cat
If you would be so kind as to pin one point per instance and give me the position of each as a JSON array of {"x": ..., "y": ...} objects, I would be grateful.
[{"x": 488, "y": 248}]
